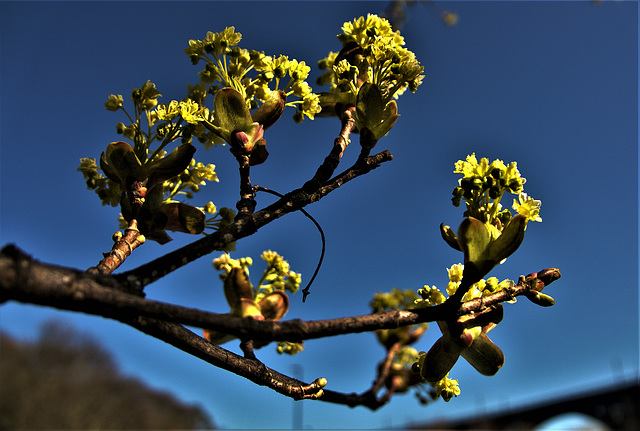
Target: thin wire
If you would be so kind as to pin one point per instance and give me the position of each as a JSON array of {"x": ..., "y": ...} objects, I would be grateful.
[{"x": 305, "y": 291}]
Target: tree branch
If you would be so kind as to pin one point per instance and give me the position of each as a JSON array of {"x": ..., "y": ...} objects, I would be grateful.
[
  {"x": 26, "y": 280},
  {"x": 148, "y": 273}
]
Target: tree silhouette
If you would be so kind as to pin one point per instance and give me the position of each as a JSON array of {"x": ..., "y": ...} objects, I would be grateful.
[{"x": 66, "y": 380}]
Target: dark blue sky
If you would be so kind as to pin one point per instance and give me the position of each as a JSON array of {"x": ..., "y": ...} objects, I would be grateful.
[{"x": 551, "y": 85}]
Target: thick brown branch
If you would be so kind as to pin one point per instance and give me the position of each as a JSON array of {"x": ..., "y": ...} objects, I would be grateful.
[{"x": 26, "y": 280}]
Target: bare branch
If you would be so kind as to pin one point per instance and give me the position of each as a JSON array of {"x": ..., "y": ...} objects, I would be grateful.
[
  {"x": 122, "y": 248},
  {"x": 250, "y": 368},
  {"x": 293, "y": 201},
  {"x": 26, "y": 280}
]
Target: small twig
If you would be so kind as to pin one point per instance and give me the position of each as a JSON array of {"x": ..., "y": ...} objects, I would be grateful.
[
  {"x": 253, "y": 370},
  {"x": 328, "y": 167},
  {"x": 122, "y": 248},
  {"x": 247, "y": 203},
  {"x": 247, "y": 348},
  {"x": 384, "y": 367}
]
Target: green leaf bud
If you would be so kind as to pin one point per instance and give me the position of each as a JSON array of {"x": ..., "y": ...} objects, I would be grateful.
[
  {"x": 449, "y": 236},
  {"x": 136, "y": 94},
  {"x": 237, "y": 286},
  {"x": 442, "y": 356},
  {"x": 484, "y": 355},
  {"x": 275, "y": 305},
  {"x": 271, "y": 110},
  {"x": 114, "y": 102},
  {"x": 540, "y": 298},
  {"x": 232, "y": 112}
]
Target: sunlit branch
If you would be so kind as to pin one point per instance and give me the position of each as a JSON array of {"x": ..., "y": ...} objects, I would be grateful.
[
  {"x": 293, "y": 201},
  {"x": 122, "y": 248},
  {"x": 30, "y": 281},
  {"x": 328, "y": 167}
]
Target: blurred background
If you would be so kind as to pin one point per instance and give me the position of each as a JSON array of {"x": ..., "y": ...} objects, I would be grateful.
[{"x": 551, "y": 85}]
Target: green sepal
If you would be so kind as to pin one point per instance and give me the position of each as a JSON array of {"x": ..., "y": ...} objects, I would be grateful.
[
  {"x": 449, "y": 236},
  {"x": 231, "y": 112},
  {"x": 540, "y": 299},
  {"x": 275, "y": 305},
  {"x": 332, "y": 103},
  {"x": 474, "y": 240},
  {"x": 439, "y": 360},
  {"x": 271, "y": 110},
  {"x": 368, "y": 106},
  {"x": 510, "y": 239},
  {"x": 183, "y": 218},
  {"x": 484, "y": 355},
  {"x": 390, "y": 116},
  {"x": 259, "y": 153},
  {"x": 237, "y": 286},
  {"x": 170, "y": 165},
  {"x": 120, "y": 163}
]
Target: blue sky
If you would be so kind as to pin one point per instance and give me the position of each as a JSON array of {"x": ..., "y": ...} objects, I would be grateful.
[{"x": 551, "y": 85}]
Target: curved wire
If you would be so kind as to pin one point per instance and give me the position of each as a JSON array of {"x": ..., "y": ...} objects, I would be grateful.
[{"x": 305, "y": 291}]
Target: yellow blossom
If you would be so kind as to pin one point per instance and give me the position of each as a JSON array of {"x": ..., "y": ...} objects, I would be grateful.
[{"x": 528, "y": 207}]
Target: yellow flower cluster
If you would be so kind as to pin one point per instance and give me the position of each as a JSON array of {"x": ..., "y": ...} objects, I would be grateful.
[
  {"x": 289, "y": 348},
  {"x": 395, "y": 300},
  {"x": 188, "y": 110},
  {"x": 482, "y": 186},
  {"x": 229, "y": 65},
  {"x": 277, "y": 275},
  {"x": 447, "y": 388},
  {"x": 225, "y": 264},
  {"x": 374, "y": 53},
  {"x": 430, "y": 296},
  {"x": 528, "y": 207}
]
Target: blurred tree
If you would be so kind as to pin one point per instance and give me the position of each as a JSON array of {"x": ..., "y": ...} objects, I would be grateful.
[{"x": 66, "y": 380}]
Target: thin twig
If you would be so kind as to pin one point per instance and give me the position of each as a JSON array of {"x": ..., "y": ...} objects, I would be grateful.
[
  {"x": 139, "y": 277},
  {"x": 122, "y": 248}
]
